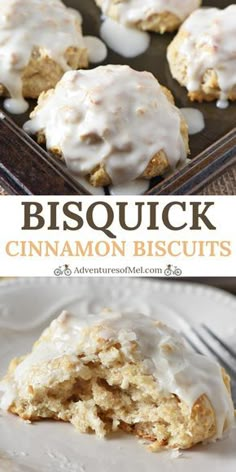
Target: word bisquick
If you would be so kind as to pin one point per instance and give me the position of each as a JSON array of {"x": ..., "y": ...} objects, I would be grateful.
[{"x": 108, "y": 218}]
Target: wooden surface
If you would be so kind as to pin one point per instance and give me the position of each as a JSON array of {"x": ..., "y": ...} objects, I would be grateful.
[{"x": 223, "y": 185}]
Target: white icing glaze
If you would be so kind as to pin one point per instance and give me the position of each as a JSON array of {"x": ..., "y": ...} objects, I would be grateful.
[
  {"x": 16, "y": 106},
  {"x": 211, "y": 44},
  {"x": 126, "y": 41},
  {"x": 222, "y": 103},
  {"x": 76, "y": 13},
  {"x": 97, "y": 50},
  {"x": 132, "y": 11},
  {"x": 177, "y": 369},
  {"x": 136, "y": 187},
  {"x": 136, "y": 121},
  {"x": 25, "y": 25},
  {"x": 195, "y": 120}
]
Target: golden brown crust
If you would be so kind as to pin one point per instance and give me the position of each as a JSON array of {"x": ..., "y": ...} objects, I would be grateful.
[
  {"x": 165, "y": 22},
  {"x": 42, "y": 73},
  {"x": 209, "y": 89},
  {"x": 158, "y": 22}
]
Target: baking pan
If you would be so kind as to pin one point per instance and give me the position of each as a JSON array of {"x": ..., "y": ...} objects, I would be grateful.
[{"x": 26, "y": 168}]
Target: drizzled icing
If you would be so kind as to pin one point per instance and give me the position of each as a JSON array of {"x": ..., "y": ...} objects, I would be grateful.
[
  {"x": 194, "y": 119},
  {"x": 29, "y": 24},
  {"x": 211, "y": 44},
  {"x": 133, "y": 11},
  {"x": 97, "y": 50},
  {"x": 177, "y": 369},
  {"x": 136, "y": 187},
  {"x": 135, "y": 122},
  {"x": 124, "y": 40}
]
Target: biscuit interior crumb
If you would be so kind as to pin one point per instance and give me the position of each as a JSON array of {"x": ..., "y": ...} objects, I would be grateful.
[{"x": 106, "y": 393}]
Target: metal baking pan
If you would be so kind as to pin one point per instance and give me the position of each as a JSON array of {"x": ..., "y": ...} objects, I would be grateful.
[{"x": 26, "y": 168}]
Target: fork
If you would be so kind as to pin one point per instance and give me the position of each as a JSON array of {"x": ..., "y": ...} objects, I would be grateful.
[{"x": 206, "y": 340}]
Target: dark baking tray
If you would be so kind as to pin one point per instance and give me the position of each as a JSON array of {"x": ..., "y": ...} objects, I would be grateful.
[{"x": 26, "y": 168}]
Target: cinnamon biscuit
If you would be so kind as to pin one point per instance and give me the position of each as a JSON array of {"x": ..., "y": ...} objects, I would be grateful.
[
  {"x": 114, "y": 371},
  {"x": 111, "y": 124}
]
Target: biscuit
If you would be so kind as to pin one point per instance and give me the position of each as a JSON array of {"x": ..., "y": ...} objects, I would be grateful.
[
  {"x": 202, "y": 55},
  {"x": 42, "y": 73},
  {"x": 140, "y": 132},
  {"x": 99, "y": 373},
  {"x": 42, "y": 40},
  {"x": 151, "y": 15}
]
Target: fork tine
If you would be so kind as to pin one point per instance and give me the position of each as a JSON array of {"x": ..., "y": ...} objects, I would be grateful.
[
  {"x": 192, "y": 344},
  {"x": 224, "y": 363},
  {"x": 222, "y": 343},
  {"x": 233, "y": 378}
]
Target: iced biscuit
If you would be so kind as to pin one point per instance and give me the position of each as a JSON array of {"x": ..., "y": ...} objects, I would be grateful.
[
  {"x": 39, "y": 41},
  {"x": 202, "y": 57},
  {"x": 114, "y": 371},
  {"x": 149, "y": 15},
  {"x": 111, "y": 124}
]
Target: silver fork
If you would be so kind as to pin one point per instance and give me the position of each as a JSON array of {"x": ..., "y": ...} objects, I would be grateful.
[{"x": 205, "y": 340}]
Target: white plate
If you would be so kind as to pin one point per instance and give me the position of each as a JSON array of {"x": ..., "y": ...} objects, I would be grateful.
[{"x": 27, "y": 306}]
